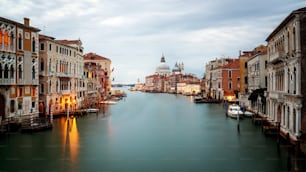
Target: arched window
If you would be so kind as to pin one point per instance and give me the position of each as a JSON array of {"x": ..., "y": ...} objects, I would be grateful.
[
  {"x": 33, "y": 72},
  {"x": 288, "y": 40},
  {"x": 288, "y": 117},
  {"x": 11, "y": 41},
  {"x": 6, "y": 40},
  {"x": 294, "y": 81},
  {"x": 42, "y": 65},
  {"x": 19, "y": 41},
  {"x": 20, "y": 71},
  {"x": 0, "y": 38},
  {"x": 1, "y": 70},
  {"x": 294, "y": 39},
  {"x": 33, "y": 45},
  {"x": 288, "y": 82},
  {"x": 50, "y": 86},
  {"x": 12, "y": 72},
  {"x": 6, "y": 70},
  {"x": 294, "y": 121},
  {"x": 50, "y": 64}
]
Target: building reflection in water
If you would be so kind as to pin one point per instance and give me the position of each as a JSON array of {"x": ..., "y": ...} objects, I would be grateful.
[{"x": 70, "y": 139}]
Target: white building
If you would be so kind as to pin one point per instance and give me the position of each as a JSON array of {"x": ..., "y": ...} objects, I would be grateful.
[{"x": 287, "y": 85}]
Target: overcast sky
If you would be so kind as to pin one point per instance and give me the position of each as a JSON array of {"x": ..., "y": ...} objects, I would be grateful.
[{"x": 135, "y": 33}]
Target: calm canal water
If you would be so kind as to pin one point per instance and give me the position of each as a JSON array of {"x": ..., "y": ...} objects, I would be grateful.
[{"x": 145, "y": 132}]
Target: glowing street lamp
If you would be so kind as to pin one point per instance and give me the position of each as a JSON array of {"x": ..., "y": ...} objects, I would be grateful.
[{"x": 68, "y": 104}]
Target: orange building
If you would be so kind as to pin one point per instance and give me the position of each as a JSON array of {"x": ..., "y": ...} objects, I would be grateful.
[
  {"x": 225, "y": 81},
  {"x": 230, "y": 79}
]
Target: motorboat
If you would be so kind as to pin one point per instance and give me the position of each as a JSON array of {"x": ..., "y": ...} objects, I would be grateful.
[
  {"x": 92, "y": 110},
  {"x": 234, "y": 111},
  {"x": 109, "y": 102}
]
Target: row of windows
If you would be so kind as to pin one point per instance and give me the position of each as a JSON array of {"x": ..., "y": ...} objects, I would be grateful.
[
  {"x": 278, "y": 81},
  {"x": 9, "y": 72},
  {"x": 59, "y": 50},
  {"x": 64, "y": 85},
  {"x": 20, "y": 105},
  {"x": 281, "y": 43}
]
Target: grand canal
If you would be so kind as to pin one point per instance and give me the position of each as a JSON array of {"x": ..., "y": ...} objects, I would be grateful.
[{"x": 146, "y": 132}]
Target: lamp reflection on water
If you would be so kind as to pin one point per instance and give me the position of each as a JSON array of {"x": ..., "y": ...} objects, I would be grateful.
[{"x": 71, "y": 140}]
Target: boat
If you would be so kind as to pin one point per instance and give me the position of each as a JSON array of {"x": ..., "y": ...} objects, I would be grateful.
[
  {"x": 234, "y": 111},
  {"x": 92, "y": 110},
  {"x": 198, "y": 99},
  {"x": 248, "y": 114},
  {"x": 110, "y": 102}
]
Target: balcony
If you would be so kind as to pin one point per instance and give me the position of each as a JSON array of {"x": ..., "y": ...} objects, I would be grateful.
[
  {"x": 92, "y": 91},
  {"x": 65, "y": 92},
  {"x": 64, "y": 75},
  {"x": 35, "y": 82},
  {"x": 6, "y": 81},
  {"x": 276, "y": 95},
  {"x": 277, "y": 57}
]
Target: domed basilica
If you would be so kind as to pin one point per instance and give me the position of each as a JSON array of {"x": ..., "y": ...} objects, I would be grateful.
[{"x": 164, "y": 70}]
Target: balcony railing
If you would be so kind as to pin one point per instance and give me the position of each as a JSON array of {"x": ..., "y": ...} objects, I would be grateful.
[
  {"x": 6, "y": 81},
  {"x": 276, "y": 95},
  {"x": 277, "y": 56},
  {"x": 65, "y": 91},
  {"x": 35, "y": 82}
]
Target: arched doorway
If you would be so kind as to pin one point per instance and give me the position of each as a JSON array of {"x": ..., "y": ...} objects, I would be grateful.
[
  {"x": 2, "y": 106},
  {"x": 41, "y": 109}
]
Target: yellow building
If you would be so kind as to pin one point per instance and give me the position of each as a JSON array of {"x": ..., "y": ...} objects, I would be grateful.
[{"x": 61, "y": 75}]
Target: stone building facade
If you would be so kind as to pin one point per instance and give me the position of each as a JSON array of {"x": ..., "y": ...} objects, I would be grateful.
[
  {"x": 18, "y": 69},
  {"x": 286, "y": 66},
  {"x": 97, "y": 71},
  {"x": 61, "y": 75}
]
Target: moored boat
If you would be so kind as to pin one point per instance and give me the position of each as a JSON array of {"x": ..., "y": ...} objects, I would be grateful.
[
  {"x": 111, "y": 102},
  {"x": 205, "y": 100},
  {"x": 234, "y": 111},
  {"x": 91, "y": 110}
]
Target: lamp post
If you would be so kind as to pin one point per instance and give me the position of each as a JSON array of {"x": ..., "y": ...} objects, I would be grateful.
[
  {"x": 238, "y": 125},
  {"x": 68, "y": 104}
]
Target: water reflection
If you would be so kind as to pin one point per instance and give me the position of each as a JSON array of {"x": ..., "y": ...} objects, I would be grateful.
[{"x": 70, "y": 139}]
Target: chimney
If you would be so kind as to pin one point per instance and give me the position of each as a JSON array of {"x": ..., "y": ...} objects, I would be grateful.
[{"x": 26, "y": 21}]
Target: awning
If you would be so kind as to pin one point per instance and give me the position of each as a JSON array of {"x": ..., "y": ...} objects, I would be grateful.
[{"x": 258, "y": 92}]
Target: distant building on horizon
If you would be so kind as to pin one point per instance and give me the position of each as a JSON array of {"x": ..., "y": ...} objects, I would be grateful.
[
  {"x": 163, "y": 69},
  {"x": 177, "y": 82}
]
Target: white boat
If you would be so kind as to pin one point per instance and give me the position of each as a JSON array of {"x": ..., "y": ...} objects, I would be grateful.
[
  {"x": 248, "y": 114},
  {"x": 92, "y": 110},
  {"x": 110, "y": 102},
  {"x": 234, "y": 110}
]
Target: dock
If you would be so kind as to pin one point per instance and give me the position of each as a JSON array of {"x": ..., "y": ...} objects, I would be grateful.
[{"x": 36, "y": 124}]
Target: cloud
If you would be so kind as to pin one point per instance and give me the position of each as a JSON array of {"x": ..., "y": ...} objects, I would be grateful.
[{"x": 134, "y": 34}]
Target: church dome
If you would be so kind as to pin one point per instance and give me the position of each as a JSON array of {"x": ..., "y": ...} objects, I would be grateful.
[{"x": 163, "y": 68}]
